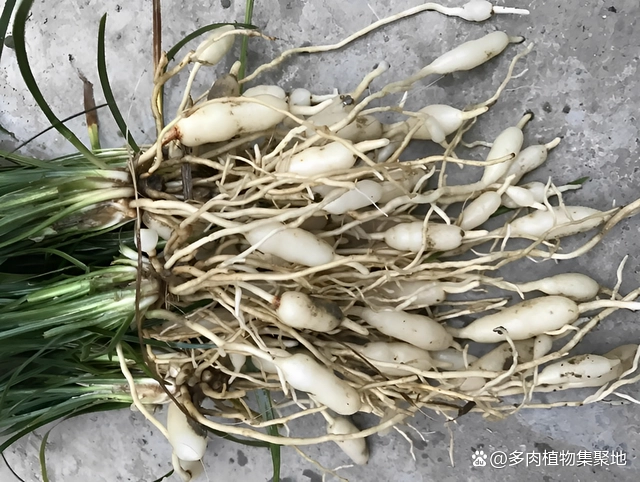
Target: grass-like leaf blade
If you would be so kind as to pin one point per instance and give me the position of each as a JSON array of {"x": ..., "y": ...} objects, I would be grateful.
[
  {"x": 43, "y": 456},
  {"x": 266, "y": 409},
  {"x": 106, "y": 87},
  {"x": 5, "y": 18},
  {"x": 56, "y": 124},
  {"x": 165, "y": 476},
  {"x": 248, "y": 16},
  {"x": 22, "y": 13},
  {"x": 579, "y": 181}
]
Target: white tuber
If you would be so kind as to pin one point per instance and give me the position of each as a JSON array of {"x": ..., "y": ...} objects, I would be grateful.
[
  {"x": 451, "y": 359},
  {"x": 418, "y": 330},
  {"x": 304, "y": 373},
  {"x": 188, "y": 440},
  {"x": 479, "y": 210},
  {"x": 237, "y": 360},
  {"x": 508, "y": 142},
  {"x": 300, "y": 97},
  {"x": 291, "y": 244},
  {"x": 558, "y": 222},
  {"x": 356, "y": 449},
  {"x": 366, "y": 193},
  {"x": 524, "y": 320},
  {"x": 408, "y": 237},
  {"x": 325, "y": 159},
  {"x": 304, "y": 312},
  {"x": 391, "y": 190},
  {"x": 469, "y": 55},
  {"x": 272, "y": 90},
  {"x": 214, "y": 48},
  {"x": 421, "y": 293},
  {"x": 497, "y": 360},
  {"x": 362, "y": 128},
  {"x": 577, "y": 286},
  {"x": 448, "y": 119},
  {"x": 580, "y": 371},
  {"x": 148, "y": 240},
  {"x": 264, "y": 365},
  {"x": 541, "y": 346},
  {"x": 396, "y": 352},
  {"x": 532, "y": 192},
  {"x": 519, "y": 196},
  {"x": 624, "y": 353},
  {"x": 529, "y": 159},
  {"x": 153, "y": 223},
  {"x": 220, "y": 121}
]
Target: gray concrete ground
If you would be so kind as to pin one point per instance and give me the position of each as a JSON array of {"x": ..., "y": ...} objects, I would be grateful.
[{"x": 581, "y": 81}]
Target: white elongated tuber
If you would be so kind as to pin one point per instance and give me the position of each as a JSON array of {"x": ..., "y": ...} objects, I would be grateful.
[
  {"x": 558, "y": 222},
  {"x": 356, "y": 449},
  {"x": 220, "y": 121},
  {"x": 470, "y": 55},
  {"x": 418, "y": 330},
  {"x": 291, "y": 244},
  {"x": 214, "y": 48},
  {"x": 304, "y": 312},
  {"x": 408, "y": 237},
  {"x": 324, "y": 159},
  {"x": 521, "y": 321},
  {"x": 580, "y": 371},
  {"x": 189, "y": 441},
  {"x": 304, "y": 373},
  {"x": 396, "y": 352},
  {"x": 365, "y": 194},
  {"x": 577, "y": 286}
]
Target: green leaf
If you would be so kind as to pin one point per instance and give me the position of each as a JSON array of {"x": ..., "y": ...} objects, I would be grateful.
[
  {"x": 75, "y": 262},
  {"x": 115, "y": 158},
  {"x": 119, "y": 335},
  {"x": 106, "y": 87},
  {"x": 170, "y": 344},
  {"x": 13, "y": 472},
  {"x": 248, "y": 15},
  {"x": 56, "y": 124},
  {"x": 579, "y": 181},
  {"x": 266, "y": 409},
  {"x": 32, "y": 221},
  {"x": 22, "y": 13},
  {"x": 8, "y": 132},
  {"x": 42, "y": 456},
  {"x": 19, "y": 369},
  {"x": 168, "y": 474},
  {"x": 5, "y": 18}
]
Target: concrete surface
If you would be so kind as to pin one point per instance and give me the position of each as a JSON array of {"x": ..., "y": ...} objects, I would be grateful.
[{"x": 581, "y": 81}]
